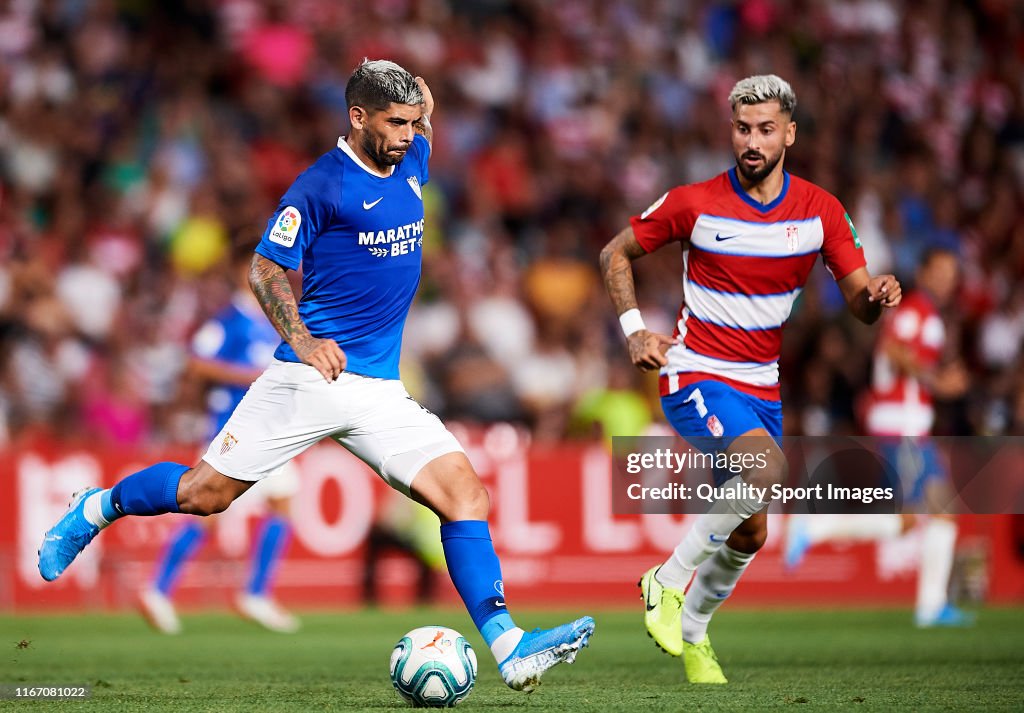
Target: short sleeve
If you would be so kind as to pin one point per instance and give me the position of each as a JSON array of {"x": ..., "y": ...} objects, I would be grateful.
[
  {"x": 840, "y": 248},
  {"x": 303, "y": 212},
  {"x": 668, "y": 219}
]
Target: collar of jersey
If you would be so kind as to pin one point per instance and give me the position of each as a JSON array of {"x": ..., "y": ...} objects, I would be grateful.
[
  {"x": 764, "y": 208},
  {"x": 343, "y": 145}
]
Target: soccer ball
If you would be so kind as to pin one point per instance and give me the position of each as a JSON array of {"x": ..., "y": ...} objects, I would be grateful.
[{"x": 433, "y": 666}]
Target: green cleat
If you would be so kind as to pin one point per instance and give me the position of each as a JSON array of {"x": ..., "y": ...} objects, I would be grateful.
[
  {"x": 701, "y": 663},
  {"x": 664, "y": 613}
]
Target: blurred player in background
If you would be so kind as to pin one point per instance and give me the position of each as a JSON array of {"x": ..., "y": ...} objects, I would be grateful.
[
  {"x": 354, "y": 223},
  {"x": 402, "y": 525},
  {"x": 750, "y": 238},
  {"x": 907, "y": 375},
  {"x": 229, "y": 352}
]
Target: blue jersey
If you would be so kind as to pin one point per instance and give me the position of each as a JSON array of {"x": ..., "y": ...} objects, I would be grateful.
[
  {"x": 239, "y": 335},
  {"x": 358, "y": 237}
]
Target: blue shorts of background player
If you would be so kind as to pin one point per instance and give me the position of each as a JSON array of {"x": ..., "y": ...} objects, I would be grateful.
[
  {"x": 711, "y": 414},
  {"x": 916, "y": 463}
]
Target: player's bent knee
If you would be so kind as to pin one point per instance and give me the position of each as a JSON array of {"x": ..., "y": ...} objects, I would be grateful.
[
  {"x": 449, "y": 486},
  {"x": 204, "y": 491},
  {"x": 473, "y": 503},
  {"x": 747, "y": 542},
  {"x": 772, "y": 472},
  {"x": 751, "y": 535}
]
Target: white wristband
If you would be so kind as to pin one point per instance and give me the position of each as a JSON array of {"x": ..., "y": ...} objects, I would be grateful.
[{"x": 631, "y": 321}]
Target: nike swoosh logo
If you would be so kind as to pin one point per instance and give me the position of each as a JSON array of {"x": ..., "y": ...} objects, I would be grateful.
[
  {"x": 719, "y": 238},
  {"x": 717, "y": 540},
  {"x": 367, "y": 206},
  {"x": 647, "y": 602},
  {"x": 499, "y": 604},
  {"x": 53, "y": 538}
]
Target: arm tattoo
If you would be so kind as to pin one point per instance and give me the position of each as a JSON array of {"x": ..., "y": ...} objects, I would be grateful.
[
  {"x": 271, "y": 287},
  {"x": 617, "y": 269},
  {"x": 422, "y": 127}
]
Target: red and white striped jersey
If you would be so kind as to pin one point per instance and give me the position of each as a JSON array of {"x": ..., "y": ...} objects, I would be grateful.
[
  {"x": 900, "y": 405},
  {"x": 744, "y": 264}
]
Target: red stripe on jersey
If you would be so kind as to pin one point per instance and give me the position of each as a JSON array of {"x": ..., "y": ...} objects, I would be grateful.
[
  {"x": 731, "y": 343},
  {"x": 749, "y": 275},
  {"x": 685, "y": 378}
]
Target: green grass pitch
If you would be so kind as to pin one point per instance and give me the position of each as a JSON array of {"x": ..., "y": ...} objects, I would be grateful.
[{"x": 775, "y": 659}]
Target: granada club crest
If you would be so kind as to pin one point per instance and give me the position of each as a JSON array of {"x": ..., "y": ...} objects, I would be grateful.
[
  {"x": 792, "y": 238},
  {"x": 715, "y": 426}
]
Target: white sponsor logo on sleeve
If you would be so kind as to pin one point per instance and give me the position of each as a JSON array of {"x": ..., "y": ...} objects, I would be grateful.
[{"x": 654, "y": 206}]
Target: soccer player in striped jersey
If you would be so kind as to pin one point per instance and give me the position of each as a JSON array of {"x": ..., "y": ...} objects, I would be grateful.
[
  {"x": 353, "y": 222},
  {"x": 909, "y": 371},
  {"x": 750, "y": 237}
]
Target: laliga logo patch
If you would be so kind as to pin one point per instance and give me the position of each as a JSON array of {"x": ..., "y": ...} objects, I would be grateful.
[
  {"x": 715, "y": 426},
  {"x": 228, "y": 443},
  {"x": 286, "y": 227},
  {"x": 654, "y": 206},
  {"x": 414, "y": 184}
]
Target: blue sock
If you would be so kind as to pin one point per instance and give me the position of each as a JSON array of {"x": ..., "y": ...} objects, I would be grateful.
[
  {"x": 476, "y": 573},
  {"x": 273, "y": 539},
  {"x": 179, "y": 550},
  {"x": 151, "y": 491}
]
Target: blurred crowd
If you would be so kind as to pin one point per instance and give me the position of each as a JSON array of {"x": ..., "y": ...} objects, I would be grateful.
[{"x": 141, "y": 142}]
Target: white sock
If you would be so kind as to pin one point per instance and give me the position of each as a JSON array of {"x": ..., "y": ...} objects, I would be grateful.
[
  {"x": 506, "y": 643},
  {"x": 822, "y": 528},
  {"x": 92, "y": 510},
  {"x": 715, "y": 580},
  {"x": 937, "y": 548},
  {"x": 706, "y": 537}
]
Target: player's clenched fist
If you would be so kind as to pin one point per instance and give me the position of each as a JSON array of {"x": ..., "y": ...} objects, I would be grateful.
[
  {"x": 324, "y": 355},
  {"x": 885, "y": 289},
  {"x": 647, "y": 349}
]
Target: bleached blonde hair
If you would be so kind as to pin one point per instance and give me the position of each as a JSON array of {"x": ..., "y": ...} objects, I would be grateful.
[{"x": 763, "y": 88}]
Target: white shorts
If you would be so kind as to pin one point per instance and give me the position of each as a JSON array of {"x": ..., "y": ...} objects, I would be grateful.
[
  {"x": 291, "y": 407},
  {"x": 279, "y": 484}
]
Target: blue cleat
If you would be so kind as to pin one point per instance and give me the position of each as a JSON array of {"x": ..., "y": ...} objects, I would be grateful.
[
  {"x": 63, "y": 541},
  {"x": 949, "y": 617},
  {"x": 541, "y": 649},
  {"x": 798, "y": 541}
]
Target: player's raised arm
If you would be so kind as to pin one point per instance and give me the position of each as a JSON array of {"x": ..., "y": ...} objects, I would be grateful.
[
  {"x": 423, "y": 125},
  {"x": 646, "y": 348},
  {"x": 270, "y": 285},
  {"x": 866, "y": 296}
]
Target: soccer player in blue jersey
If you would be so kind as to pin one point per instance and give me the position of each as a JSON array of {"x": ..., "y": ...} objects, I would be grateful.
[
  {"x": 354, "y": 222},
  {"x": 229, "y": 351}
]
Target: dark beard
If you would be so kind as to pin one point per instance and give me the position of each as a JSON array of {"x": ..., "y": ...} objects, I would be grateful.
[
  {"x": 381, "y": 158},
  {"x": 758, "y": 174}
]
